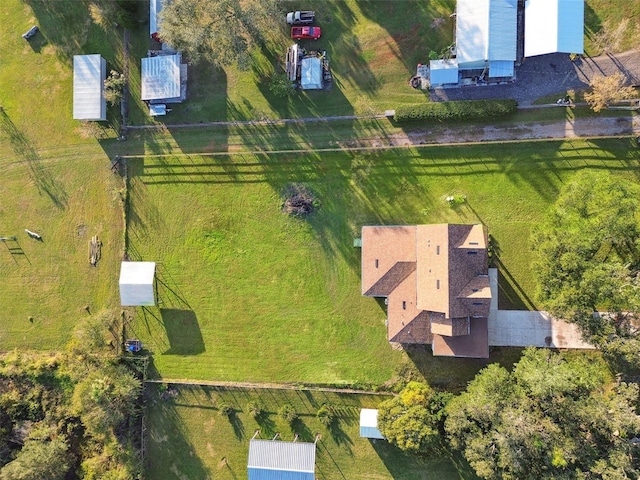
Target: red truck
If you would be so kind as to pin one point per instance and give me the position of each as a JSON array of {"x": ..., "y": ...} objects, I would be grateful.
[{"x": 305, "y": 33}]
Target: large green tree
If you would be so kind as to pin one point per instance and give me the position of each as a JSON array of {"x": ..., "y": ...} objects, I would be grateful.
[
  {"x": 39, "y": 460},
  {"x": 413, "y": 420},
  {"x": 218, "y": 31},
  {"x": 588, "y": 253},
  {"x": 551, "y": 417}
]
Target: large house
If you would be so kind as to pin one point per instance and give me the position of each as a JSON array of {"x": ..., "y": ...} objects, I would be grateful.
[{"x": 436, "y": 284}]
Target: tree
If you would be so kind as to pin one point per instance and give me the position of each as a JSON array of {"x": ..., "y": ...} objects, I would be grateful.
[
  {"x": 222, "y": 31},
  {"x": 587, "y": 254},
  {"x": 39, "y": 460},
  {"x": 413, "y": 420},
  {"x": 551, "y": 417},
  {"x": 607, "y": 90},
  {"x": 114, "y": 87}
]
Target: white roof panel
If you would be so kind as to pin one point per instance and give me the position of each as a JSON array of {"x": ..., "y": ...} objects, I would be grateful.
[
  {"x": 553, "y": 26},
  {"x": 285, "y": 456},
  {"x": 89, "y": 73},
  {"x": 161, "y": 77},
  {"x": 485, "y": 30}
]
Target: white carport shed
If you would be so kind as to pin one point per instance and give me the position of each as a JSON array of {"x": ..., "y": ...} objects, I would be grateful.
[
  {"x": 89, "y": 74},
  {"x": 443, "y": 72},
  {"x": 369, "y": 423},
  {"x": 311, "y": 73},
  {"x": 161, "y": 77},
  {"x": 137, "y": 284},
  {"x": 279, "y": 460},
  {"x": 553, "y": 26}
]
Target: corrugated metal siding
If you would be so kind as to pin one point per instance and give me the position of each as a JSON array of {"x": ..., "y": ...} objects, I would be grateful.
[
  {"x": 571, "y": 26},
  {"x": 154, "y": 9},
  {"x": 89, "y": 73},
  {"x": 503, "y": 22},
  {"x": 370, "y": 432},
  {"x": 501, "y": 68},
  {"x": 261, "y": 474},
  {"x": 161, "y": 77},
  {"x": 278, "y": 455}
]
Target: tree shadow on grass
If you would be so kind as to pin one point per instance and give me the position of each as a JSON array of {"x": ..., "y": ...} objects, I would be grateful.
[
  {"x": 23, "y": 149},
  {"x": 183, "y": 332}
]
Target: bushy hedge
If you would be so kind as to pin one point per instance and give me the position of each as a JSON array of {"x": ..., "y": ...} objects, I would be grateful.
[{"x": 456, "y": 110}]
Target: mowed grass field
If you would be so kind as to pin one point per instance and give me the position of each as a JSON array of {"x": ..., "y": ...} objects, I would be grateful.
[
  {"x": 249, "y": 293},
  {"x": 188, "y": 437}
]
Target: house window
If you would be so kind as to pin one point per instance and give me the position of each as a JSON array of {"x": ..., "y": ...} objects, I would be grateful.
[
  {"x": 472, "y": 252},
  {"x": 477, "y": 303},
  {"x": 404, "y": 305},
  {"x": 473, "y": 243},
  {"x": 438, "y": 250},
  {"x": 437, "y": 283},
  {"x": 474, "y": 290},
  {"x": 376, "y": 263}
]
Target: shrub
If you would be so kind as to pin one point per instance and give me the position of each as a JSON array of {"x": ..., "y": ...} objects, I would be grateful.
[
  {"x": 255, "y": 409},
  {"x": 327, "y": 415},
  {"x": 288, "y": 413},
  {"x": 226, "y": 409},
  {"x": 456, "y": 110}
]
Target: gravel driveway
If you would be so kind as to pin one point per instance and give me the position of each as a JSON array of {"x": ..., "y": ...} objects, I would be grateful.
[{"x": 549, "y": 74}]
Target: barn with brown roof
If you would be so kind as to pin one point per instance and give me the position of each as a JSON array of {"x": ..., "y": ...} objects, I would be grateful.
[{"x": 435, "y": 280}]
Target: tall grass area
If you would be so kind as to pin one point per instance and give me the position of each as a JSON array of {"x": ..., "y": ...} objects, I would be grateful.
[
  {"x": 248, "y": 293},
  {"x": 190, "y": 438}
]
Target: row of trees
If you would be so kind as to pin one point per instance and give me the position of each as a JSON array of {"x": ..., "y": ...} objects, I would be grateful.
[
  {"x": 68, "y": 415},
  {"x": 552, "y": 416}
]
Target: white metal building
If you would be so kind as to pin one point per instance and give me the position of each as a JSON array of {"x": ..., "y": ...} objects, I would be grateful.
[
  {"x": 161, "y": 77},
  {"x": 443, "y": 72},
  {"x": 486, "y": 33},
  {"x": 278, "y": 460},
  {"x": 137, "y": 284},
  {"x": 369, "y": 423},
  {"x": 89, "y": 74},
  {"x": 154, "y": 9},
  {"x": 553, "y": 26}
]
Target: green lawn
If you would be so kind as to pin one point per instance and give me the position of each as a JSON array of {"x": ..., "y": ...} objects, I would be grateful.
[
  {"x": 244, "y": 286},
  {"x": 188, "y": 437}
]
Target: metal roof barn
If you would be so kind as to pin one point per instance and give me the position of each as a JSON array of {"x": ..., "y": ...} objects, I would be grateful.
[
  {"x": 161, "y": 77},
  {"x": 486, "y": 30},
  {"x": 443, "y": 72},
  {"x": 369, "y": 423},
  {"x": 311, "y": 73},
  {"x": 277, "y": 460},
  {"x": 136, "y": 284},
  {"x": 89, "y": 73},
  {"x": 553, "y": 26}
]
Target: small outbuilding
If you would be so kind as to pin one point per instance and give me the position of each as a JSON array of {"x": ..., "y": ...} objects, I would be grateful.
[
  {"x": 369, "y": 424},
  {"x": 89, "y": 74},
  {"x": 278, "y": 460},
  {"x": 137, "y": 284},
  {"x": 443, "y": 72},
  {"x": 311, "y": 73}
]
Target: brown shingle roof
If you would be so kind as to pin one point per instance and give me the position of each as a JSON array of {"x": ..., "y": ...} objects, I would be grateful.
[{"x": 436, "y": 283}]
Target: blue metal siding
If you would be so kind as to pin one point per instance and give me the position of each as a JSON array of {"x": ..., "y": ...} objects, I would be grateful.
[
  {"x": 262, "y": 474},
  {"x": 370, "y": 432}
]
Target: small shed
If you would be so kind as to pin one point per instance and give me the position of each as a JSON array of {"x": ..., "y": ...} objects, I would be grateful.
[
  {"x": 311, "y": 73},
  {"x": 443, "y": 72},
  {"x": 89, "y": 74},
  {"x": 278, "y": 460},
  {"x": 137, "y": 284},
  {"x": 369, "y": 423},
  {"x": 161, "y": 78}
]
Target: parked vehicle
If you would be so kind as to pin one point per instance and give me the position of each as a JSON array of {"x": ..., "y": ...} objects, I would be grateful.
[
  {"x": 304, "y": 17},
  {"x": 305, "y": 33}
]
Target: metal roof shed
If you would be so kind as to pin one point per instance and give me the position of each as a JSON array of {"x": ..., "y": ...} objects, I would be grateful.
[
  {"x": 443, "y": 72},
  {"x": 136, "y": 284},
  {"x": 486, "y": 30},
  {"x": 369, "y": 423},
  {"x": 311, "y": 73},
  {"x": 89, "y": 73},
  {"x": 161, "y": 77},
  {"x": 277, "y": 460},
  {"x": 553, "y": 26}
]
